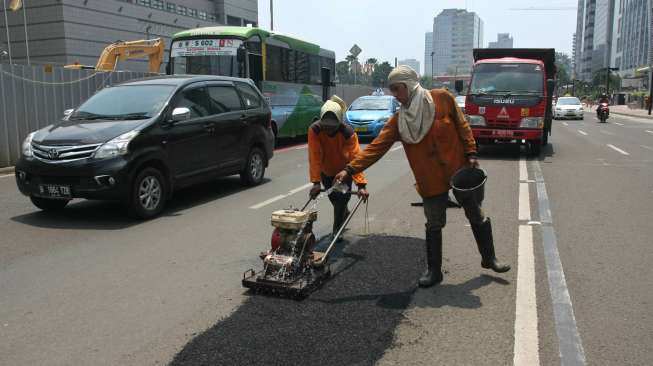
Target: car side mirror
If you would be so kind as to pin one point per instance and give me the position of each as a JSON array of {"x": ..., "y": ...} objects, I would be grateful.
[
  {"x": 67, "y": 113},
  {"x": 180, "y": 114}
]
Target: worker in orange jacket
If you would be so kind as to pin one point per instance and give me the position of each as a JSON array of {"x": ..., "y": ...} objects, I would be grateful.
[
  {"x": 438, "y": 142},
  {"x": 331, "y": 145}
]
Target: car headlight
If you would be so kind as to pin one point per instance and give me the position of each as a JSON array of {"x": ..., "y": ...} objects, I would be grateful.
[
  {"x": 116, "y": 147},
  {"x": 474, "y": 120},
  {"x": 27, "y": 146},
  {"x": 532, "y": 122}
]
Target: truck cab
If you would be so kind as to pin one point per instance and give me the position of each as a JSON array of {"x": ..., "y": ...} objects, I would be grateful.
[{"x": 509, "y": 96}]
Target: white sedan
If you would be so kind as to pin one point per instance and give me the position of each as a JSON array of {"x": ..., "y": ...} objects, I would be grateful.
[{"x": 568, "y": 107}]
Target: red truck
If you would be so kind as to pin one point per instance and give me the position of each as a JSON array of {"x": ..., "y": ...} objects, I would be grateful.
[{"x": 509, "y": 96}]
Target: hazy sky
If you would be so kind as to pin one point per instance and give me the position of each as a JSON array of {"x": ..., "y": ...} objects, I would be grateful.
[{"x": 387, "y": 29}]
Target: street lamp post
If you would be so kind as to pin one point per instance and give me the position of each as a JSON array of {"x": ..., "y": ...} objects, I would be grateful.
[{"x": 432, "y": 76}]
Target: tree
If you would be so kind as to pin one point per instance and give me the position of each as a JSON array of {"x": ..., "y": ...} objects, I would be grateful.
[
  {"x": 599, "y": 79},
  {"x": 426, "y": 82},
  {"x": 563, "y": 66},
  {"x": 380, "y": 74},
  {"x": 343, "y": 72}
]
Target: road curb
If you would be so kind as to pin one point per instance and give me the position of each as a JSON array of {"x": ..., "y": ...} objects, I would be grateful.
[
  {"x": 632, "y": 115},
  {"x": 7, "y": 170}
]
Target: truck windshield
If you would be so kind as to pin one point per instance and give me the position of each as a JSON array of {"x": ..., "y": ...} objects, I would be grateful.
[
  {"x": 206, "y": 57},
  {"x": 507, "y": 78}
]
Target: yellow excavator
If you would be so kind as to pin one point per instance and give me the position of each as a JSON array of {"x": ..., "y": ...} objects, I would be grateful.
[{"x": 123, "y": 50}]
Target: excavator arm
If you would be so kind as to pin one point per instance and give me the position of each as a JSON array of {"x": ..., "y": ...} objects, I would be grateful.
[{"x": 121, "y": 51}]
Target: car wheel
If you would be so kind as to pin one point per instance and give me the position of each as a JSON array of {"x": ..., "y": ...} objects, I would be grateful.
[
  {"x": 148, "y": 194},
  {"x": 254, "y": 168},
  {"x": 48, "y": 204}
]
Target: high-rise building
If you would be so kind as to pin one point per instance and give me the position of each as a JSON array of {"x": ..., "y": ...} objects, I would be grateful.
[
  {"x": 603, "y": 21},
  {"x": 456, "y": 32},
  {"x": 68, "y": 31},
  {"x": 578, "y": 39},
  {"x": 428, "y": 58},
  {"x": 503, "y": 41},
  {"x": 631, "y": 36},
  {"x": 414, "y": 64}
]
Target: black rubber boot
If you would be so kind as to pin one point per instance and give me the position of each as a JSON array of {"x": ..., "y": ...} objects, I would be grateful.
[
  {"x": 433, "y": 274},
  {"x": 485, "y": 243}
]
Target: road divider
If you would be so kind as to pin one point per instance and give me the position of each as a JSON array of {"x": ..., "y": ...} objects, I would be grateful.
[
  {"x": 280, "y": 197},
  {"x": 620, "y": 151}
]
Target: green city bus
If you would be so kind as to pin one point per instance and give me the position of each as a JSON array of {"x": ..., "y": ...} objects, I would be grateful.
[{"x": 293, "y": 75}]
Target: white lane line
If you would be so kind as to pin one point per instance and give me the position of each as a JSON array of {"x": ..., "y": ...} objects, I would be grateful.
[
  {"x": 617, "y": 149},
  {"x": 5, "y": 176},
  {"x": 524, "y": 202},
  {"x": 523, "y": 171},
  {"x": 280, "y": 197},
  {"x": 582, "y": 132},
  {"x": 646, "y": 147},
  {"x": 526, "y": 351},
  {"x": 565, "y": 123},
  {"x": 618, "y": 124},
  {"x": 301, "y": 147},
  {"x": 397, "y": 148},
  {"x": 649, "y": 131},
  {"x": 570, "y": 345}
]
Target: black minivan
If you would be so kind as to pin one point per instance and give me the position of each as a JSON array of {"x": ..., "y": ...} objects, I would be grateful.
[{"x": 139, "y": 141}]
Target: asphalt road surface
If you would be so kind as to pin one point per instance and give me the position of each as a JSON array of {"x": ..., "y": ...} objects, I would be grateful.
[{"x": 91, "y": 286}]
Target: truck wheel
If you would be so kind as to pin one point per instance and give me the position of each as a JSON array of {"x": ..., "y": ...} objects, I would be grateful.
[
  {"x": 148, "y": 194},
  {"x": 48, "y": 204},
  {"x": 535, "y": 147},
  {"x": 254, "y": 170}
]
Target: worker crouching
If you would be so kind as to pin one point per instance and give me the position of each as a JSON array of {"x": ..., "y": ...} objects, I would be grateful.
[{"x": 331, "y": 145}]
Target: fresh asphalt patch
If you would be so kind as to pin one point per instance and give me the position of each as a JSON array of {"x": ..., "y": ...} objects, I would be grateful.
[{"x": 349, "y": 321}]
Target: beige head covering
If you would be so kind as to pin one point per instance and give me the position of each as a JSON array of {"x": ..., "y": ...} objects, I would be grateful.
[
  {"x": 415, "y": 121},
  {"x": 336, "y": 106}
]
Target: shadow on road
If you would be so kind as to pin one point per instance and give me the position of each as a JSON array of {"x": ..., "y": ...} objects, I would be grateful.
[
  {"x": 101, "y": 215},
  {"x": 350, "y": 321},
  {"x": 459, "y": 295},
  {"x": 512, "y": 152}
]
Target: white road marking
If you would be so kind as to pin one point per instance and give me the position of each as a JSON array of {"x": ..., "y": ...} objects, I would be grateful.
[
  {"x": 5, "y": 176},
  {"x": 649, "y": 131},
  {"x": 582, "y": 132},
  {"x": 618, "y": 124},
  {"x": 301, "y": 147},
  {"x": 647, "y": 147},
  {"x": 523, "y": 171},
  {"x": 618, "y": 149},
  {"x": 524, "y": 202},
  {"x": 526, "y": 351},
  {"x": 397, "y": 148},
  {"x": 280, "y": 197},
  {"x": 570, "y": 345},
  {"x": 565, "y": 123}
]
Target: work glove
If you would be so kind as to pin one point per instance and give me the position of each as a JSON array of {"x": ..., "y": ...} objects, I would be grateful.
[
  {"x": 315, "y": 191},
  {"x": 363, "y": 193}
]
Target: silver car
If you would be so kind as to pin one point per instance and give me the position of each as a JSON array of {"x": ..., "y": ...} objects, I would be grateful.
[{"x": 568, "y": 107}]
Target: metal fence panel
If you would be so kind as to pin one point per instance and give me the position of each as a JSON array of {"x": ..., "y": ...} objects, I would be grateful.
[{"x": 31, "y": 98}]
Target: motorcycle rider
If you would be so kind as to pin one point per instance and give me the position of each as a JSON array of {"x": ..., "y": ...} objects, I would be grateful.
[{"x": 602, "y": 99}]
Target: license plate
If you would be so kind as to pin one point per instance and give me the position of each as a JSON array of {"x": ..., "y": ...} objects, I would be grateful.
[
  {"x": 360, "y": 129},
  {"x": 54, "y": 191},
  {"x": 505, "y": 133}
]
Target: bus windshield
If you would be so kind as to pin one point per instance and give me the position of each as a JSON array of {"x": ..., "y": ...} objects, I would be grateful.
[
  {"x": 206, "y": 57},
  {"x": 507, "y": 78}
]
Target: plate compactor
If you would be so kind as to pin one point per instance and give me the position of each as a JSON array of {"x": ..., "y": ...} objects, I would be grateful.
[{"x": 291, "y": 266}]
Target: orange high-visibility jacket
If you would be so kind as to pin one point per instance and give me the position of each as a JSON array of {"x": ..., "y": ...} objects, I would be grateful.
[
  {"x": 330, "y": 154},
  {"x": 434, "y": 159}
]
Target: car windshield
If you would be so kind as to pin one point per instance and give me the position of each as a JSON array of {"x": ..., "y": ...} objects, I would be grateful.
[
  {"x": 125, "y": 102},
  {"x": 568, "y": 101},
  {"x": 371, "y": 104},
  {"x": 507, "y": 78}
]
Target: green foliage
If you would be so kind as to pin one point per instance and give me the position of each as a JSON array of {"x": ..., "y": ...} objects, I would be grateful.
[{"x": 380, "y": 74}]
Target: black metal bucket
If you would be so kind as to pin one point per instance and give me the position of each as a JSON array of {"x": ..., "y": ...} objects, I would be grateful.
[{"x": 469, "y": 183}]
